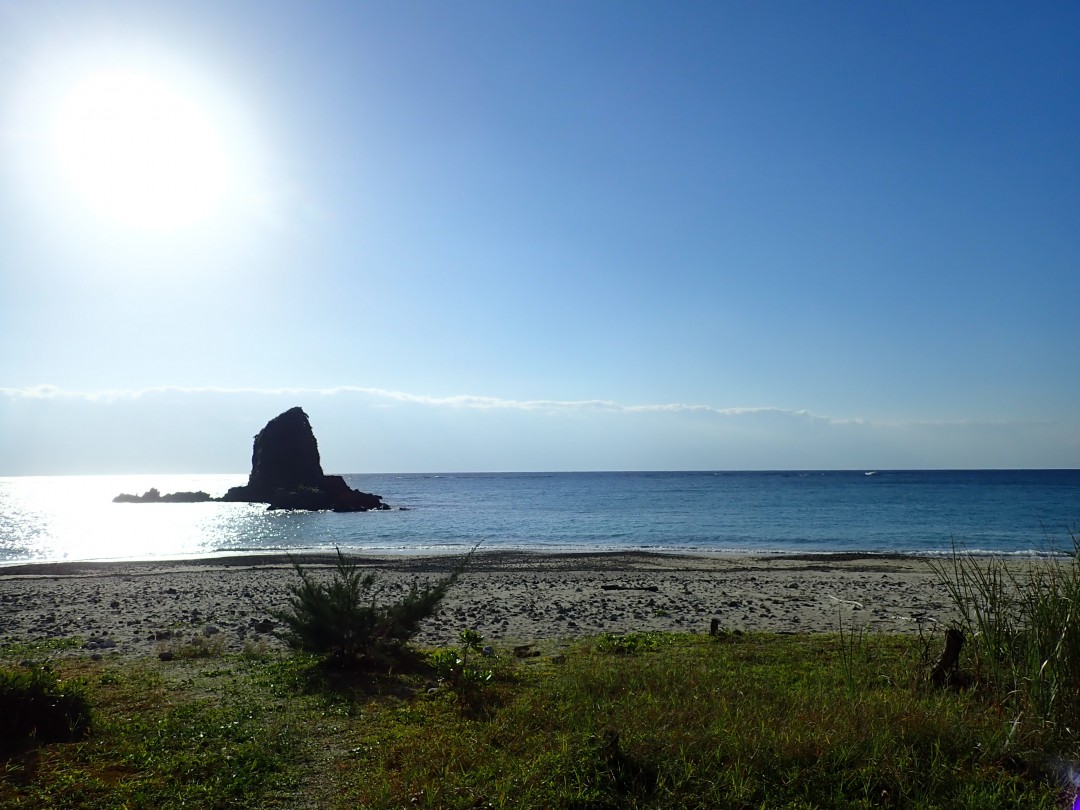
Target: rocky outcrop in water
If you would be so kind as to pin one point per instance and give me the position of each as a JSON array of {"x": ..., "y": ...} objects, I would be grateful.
[
  {"x": 153, "y": 496},
  {"x": 286, "y": 473}
]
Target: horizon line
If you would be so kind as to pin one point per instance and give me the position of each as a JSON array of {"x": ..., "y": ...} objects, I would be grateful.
[{"x": 703, "y": 471}]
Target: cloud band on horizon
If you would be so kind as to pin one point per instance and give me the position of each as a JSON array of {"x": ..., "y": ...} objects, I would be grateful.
[{"x": 488, "y": 403}]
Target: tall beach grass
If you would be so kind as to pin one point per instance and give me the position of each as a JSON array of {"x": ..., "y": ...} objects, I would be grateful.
[{"x": 1022, "y": 625}]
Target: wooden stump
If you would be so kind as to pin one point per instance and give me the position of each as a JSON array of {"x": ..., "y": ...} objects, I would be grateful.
[{"x": 950, "y": 657}]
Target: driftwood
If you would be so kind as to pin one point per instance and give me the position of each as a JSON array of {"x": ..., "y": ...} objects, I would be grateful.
[
  {"x": 652, "y": 588},
  {"x": 950, "y": 656},
  {"x": 718, "y": 632}
]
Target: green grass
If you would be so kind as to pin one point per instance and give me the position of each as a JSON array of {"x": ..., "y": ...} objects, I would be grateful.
[
  {"x": 38, "y": 707},
  {"x": 648, "y": 720}
]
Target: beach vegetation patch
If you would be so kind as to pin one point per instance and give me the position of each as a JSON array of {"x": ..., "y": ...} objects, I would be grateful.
[
  {"x": 773, "y": 721},
  {"x": 454, "y": 665},
  {"x": 458, "y": 669},
  {"x": 38, "y": 707},
  {"x": 1022, "y": 628},
  {"x": 630, "y": 643},
  {"x": 257, "y": 648},
  {"x": 193, "y": 647},
  {"x": 162, "y": 737},
  {"x": 40, "y": 648},
  {"x": 341, "y": 621},
  {"x": 822, "y": 721}
]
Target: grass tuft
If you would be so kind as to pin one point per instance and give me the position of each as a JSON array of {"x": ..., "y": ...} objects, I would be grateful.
[{"x": 1023, "y": 628}]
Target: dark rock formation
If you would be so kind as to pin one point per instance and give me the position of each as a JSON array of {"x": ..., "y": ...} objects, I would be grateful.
[
  {"x": 287, "y": 474},
  {"x": 153, "y": 496}
]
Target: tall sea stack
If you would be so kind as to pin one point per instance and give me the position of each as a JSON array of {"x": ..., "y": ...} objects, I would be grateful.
[{"x": 287, "y": 474}]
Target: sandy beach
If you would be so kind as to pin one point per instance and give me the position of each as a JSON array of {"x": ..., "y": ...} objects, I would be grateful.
[{"x": 511, "y": 597}]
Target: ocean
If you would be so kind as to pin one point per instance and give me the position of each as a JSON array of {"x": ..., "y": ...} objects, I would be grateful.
[{"x": 910, "y": 512}]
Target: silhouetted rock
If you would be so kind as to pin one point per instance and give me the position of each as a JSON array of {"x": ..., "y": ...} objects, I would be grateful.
[
  {"x": 153, "y": 496},
  {"x": 286, "y": 472},
  {"x": 285, "y": 456}
]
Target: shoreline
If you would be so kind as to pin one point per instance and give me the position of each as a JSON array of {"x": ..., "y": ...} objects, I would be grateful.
[
  {"x": 511, "y": 597},
  {"x": 407, "y": 560},
  {"x": 392, "y": 557}
]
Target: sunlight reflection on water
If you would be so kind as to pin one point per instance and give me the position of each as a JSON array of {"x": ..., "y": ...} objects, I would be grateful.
[{"x": 57, "y": 518}]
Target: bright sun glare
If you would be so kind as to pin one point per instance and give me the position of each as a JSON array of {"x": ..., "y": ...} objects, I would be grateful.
[{"x": 140, "y": 153}]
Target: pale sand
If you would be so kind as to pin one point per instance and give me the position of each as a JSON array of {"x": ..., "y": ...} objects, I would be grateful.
[{"x": 510, "y": 597}]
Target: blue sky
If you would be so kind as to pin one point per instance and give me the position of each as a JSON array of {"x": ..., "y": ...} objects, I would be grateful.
[{"x": 513, "y": 236}]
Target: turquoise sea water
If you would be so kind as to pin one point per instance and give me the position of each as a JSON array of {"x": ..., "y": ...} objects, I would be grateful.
[{"x": 1013, "y": 512}]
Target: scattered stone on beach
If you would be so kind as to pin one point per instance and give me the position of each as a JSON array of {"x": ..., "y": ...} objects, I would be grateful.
[{"x": 99, "y": 644}]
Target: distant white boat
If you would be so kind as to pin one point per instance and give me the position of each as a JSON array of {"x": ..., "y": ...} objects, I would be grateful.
[{"x": 872, "y": 472}]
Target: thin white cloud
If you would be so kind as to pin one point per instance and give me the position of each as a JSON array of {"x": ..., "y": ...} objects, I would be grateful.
[{"x": 488, "y": 403}]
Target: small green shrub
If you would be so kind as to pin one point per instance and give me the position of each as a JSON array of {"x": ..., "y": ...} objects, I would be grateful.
[
  {"x": 445, "y": 664},
  {"x": 36, "y": 707},
  {"x": 629, "y": 643},
  {"x": 257, "y": 649},
  {"x": 197, "y": 647},
  {"x": 453, "y": 666},
  {"x": 340, "y": 620}
]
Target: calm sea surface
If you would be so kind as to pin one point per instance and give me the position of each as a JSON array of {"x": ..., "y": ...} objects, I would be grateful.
[{"x": 1012, "y": 512}]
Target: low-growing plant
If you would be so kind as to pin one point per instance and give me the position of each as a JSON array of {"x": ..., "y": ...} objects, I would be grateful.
[
  {"x": 444, "y": 662},
  {"x": 40, "y": 648},
  {"x": 258, "y": 649},
  {"x": 37, "y": 707},
  {"x": 453, "y": 667},
  {"x": 627, "y": 644},
  {"x": 196, "y": 647},
  {"x": 340, "y": 619}
]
